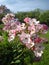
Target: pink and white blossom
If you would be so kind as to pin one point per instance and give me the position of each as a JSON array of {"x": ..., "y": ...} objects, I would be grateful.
[{"x": 28, "y": 33}]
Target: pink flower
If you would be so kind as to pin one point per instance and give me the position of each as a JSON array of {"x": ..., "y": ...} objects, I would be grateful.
[
  {"x": 12, "y": 32},
  {"x": 38, "y": 54},
  {"x": 22, "y": 35},
  {"x": 23, "y": 26},
  {"x": 26, "y": 19},
  {"x": 38, "y": 40},
  {"x": 18, "y": 28},
  {"x": 30, "y": 28},
  {"x": 45, "y": 27},
  {"x": 25, "y": 38},
  {"x": 30, "y": 45},
  {"x": 35, "y": 21},
  {"x": 38, "y": 27},
  {"x": 6, "y": 28},
  {"x": 11, "y": 37}
]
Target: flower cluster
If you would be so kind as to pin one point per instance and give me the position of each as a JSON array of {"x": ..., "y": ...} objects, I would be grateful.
[{"x": 27, "y": 32}]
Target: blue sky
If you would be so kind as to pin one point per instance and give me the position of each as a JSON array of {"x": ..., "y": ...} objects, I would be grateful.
[{"x": 25, "y": 5}]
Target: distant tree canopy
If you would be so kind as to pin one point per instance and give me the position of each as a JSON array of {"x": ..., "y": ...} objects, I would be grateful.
[{"x": 43, "y": 16}]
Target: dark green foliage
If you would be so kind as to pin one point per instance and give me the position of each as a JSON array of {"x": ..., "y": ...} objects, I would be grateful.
[
  {"x": 43, "y": 16},
  {"x": 14, "y": 53}
]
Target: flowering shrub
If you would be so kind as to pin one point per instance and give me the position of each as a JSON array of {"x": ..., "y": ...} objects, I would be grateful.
[{"x": 28, "y": 32}]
